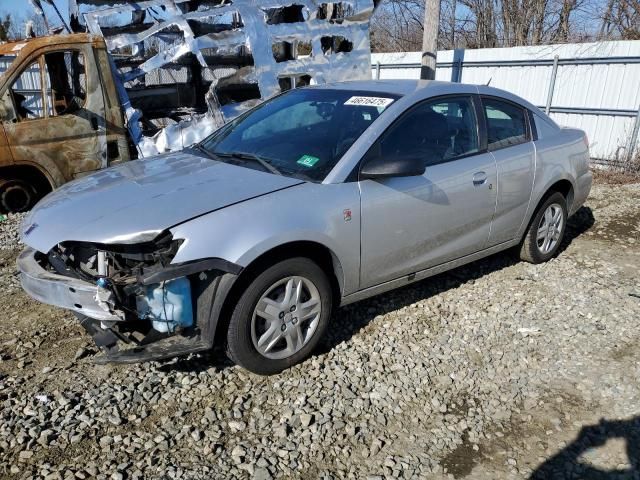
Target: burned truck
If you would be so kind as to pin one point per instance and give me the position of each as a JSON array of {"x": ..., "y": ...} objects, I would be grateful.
[{"x": 145, "y": 78}]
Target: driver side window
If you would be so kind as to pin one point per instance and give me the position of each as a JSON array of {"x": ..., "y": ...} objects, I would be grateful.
[
  {"x": 436, "y": 130},
  {"x": 26, "y": 93},
  {"x": 64, "y": 89}
]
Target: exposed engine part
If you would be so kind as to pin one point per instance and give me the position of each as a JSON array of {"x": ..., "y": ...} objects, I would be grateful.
[
  {"x": 118, "y": 273},
  {"x": 102, "y": 263},
  {"x": 106, "y": 298}
]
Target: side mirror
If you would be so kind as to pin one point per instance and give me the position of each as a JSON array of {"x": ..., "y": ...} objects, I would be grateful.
[{"x": 397, "y": 166}]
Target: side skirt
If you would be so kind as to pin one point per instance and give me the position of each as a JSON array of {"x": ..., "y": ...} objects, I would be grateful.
[{"x": 422, "y": 274}]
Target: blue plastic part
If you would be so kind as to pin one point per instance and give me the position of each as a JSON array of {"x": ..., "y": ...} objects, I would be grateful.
[{"x": 168, "y": 305}]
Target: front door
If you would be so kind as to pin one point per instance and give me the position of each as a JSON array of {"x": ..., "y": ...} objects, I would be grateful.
[
  {"x": 413, "y": 223},
  {"x": 58, "y": 118}
]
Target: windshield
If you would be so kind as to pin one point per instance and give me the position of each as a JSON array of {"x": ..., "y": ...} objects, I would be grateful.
[
  {"x": 302, "y": 133},
  {"x": 5, "y": 62}
]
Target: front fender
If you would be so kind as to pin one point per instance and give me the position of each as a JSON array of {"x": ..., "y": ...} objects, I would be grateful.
[{"x": 326, "y": 214}]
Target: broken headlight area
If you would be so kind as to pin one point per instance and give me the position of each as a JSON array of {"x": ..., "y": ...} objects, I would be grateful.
[{"x": 135, "y": 283}]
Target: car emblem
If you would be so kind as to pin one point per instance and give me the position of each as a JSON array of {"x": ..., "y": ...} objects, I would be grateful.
[
  {"x": 30, "y": 229},
  {"x": 347, "y": 214}
]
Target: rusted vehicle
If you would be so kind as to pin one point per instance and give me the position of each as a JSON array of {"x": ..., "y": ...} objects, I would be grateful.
[
  {"x": 140, "y": 84},
  {"x": 60, "y": 113}
]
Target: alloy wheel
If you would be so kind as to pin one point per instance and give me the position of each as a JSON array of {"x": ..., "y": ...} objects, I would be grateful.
[
  {"x": 286, "y": 317},
  {"x": 550, "y": 228}
]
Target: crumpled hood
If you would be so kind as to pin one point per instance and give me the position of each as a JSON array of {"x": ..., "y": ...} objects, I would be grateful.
[{"x": 137, "y": 200}]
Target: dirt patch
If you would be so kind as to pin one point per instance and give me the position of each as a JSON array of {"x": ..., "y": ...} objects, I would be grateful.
[
  {"x": 461, "y": 461},
  {"x": 625, "y": 351}
]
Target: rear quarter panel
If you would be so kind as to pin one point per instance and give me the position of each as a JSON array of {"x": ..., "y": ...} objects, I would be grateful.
[{"x": 564, "y": 156}]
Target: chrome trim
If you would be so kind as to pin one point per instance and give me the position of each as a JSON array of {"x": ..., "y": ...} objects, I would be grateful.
[{"x": 58, "y": 290}]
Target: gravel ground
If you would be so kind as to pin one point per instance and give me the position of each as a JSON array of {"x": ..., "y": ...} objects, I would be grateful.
[{"x": 499, "y": 369}]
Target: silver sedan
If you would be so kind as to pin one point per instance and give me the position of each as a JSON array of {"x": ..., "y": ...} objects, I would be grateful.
[{"x": 317, "y": 198}]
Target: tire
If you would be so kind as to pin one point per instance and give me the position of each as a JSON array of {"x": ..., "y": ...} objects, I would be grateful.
[
  {"x": 16, "y": 196},
  {"x": 546, "y": 230},
  {"x": 266, "y": 334}
]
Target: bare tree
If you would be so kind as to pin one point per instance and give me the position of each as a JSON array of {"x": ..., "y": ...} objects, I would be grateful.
[
  {"x": 562, "y": 32},
  {"x": 18, "y": 28},
  {"x": 397, "y": 25},
  {"x": 621, "y": 19},
  {"x": 5, "y": 26}
]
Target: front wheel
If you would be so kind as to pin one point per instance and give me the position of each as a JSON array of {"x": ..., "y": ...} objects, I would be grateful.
[
  {"x": 546, "y": 230},
  {"x": 16, "y": 196},
  {"x": 280, "y": 317}
]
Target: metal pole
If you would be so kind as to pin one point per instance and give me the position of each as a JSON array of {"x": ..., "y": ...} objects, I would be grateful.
[
  {"x": 378, "y": 68},
  {"x": 552, "y": 85},
  {"x": 430, "y": 39},
  {"x": 458, "y": 71},
  {"x": 634, "y": 139}
]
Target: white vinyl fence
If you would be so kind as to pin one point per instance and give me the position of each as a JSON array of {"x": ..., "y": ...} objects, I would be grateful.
[{"x": 592, "y": 86}]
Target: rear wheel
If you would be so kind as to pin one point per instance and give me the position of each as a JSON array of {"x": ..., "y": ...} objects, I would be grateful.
[
  {"x": 280, "y": 317},
  {"x": 546, "y": 230},
  {"x": 16, "y": 196}
]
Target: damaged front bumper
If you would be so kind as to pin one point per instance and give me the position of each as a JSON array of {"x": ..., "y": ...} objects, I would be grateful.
[
  {"x": 59, "y": 290},
  {"x": 129, "y": 339}
]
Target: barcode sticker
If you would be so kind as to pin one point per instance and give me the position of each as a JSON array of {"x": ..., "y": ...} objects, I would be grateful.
[{"x": 370, "y": 102}]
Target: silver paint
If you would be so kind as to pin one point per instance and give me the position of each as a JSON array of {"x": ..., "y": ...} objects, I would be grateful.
[
  {"x": 137, "y": 200},
  {"x": 402, "y": 229}
]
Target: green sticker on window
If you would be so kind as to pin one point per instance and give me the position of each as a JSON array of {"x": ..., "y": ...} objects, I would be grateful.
[{"x": 308, "y": 161}]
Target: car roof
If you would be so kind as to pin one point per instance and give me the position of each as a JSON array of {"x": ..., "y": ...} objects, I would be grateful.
[
  {"x": 395, "y": 87},
  {"x": 419, "y": 89}
]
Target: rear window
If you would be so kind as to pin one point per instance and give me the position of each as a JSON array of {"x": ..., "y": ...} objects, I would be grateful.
[{"x": 544, "y": 127}]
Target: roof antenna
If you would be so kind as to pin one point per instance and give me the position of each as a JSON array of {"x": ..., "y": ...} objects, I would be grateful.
[{"x": 489, "y": 82}]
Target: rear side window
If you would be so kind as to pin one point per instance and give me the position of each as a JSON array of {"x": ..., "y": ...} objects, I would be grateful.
[
  {"x": 506, "y": 124},
  {"x": 545, "y": 128}
]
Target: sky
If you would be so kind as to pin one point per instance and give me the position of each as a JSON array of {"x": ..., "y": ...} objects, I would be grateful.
[{"x": 22, "y": 8}]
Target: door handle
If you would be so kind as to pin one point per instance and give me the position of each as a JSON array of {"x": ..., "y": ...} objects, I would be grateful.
[{"x": 479, "y": 178}]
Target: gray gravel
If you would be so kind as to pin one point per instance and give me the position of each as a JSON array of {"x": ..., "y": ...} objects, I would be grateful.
[
  {"x": 487, "y": 371},
  {"x": 9, "y": 231}
]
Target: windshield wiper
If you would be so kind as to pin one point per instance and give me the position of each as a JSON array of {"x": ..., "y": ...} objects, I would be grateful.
[
  {"x": 200, "y": 148},
  {"x": 251, "y": 157}
]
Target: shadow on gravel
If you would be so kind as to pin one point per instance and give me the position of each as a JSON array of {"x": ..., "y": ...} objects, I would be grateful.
[
  {"x": 580, "y": 222},
  {"x": 348, "y": 321},
  {"x": 215, "y": 358},
  {"x": 567, "y": 464}
]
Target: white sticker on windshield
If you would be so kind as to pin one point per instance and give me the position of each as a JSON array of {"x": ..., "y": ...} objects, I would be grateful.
[{"x": 370, "y": 102}]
